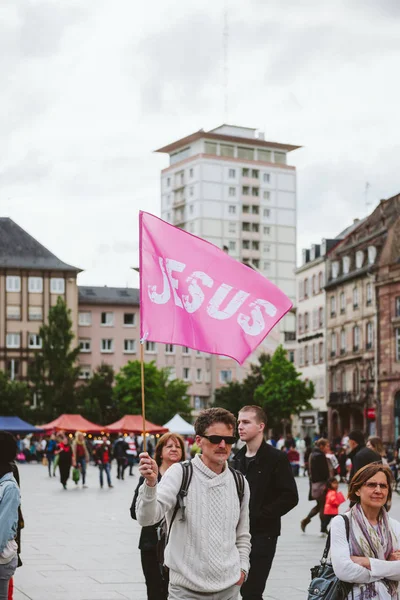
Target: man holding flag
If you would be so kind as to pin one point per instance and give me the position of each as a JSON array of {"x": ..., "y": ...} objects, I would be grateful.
[{"x": 208, "y": 544}]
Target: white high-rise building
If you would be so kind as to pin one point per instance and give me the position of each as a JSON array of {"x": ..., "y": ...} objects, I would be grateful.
[{"x": 235, "y": 189}]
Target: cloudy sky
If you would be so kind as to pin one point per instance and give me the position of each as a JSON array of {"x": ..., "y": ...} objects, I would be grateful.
[{"x": 89, "y": 89}]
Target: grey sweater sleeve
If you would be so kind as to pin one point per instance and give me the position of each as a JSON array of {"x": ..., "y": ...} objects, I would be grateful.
[
  {"x": 243, "y": 531},
  {"x": 153, "y": 503}
]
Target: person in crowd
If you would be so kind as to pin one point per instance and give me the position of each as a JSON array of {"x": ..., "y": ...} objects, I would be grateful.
[
  {"x": 333, "y": 500},
  {"x": 370, "y": 559},
  {"x": 80, "y": 455},
  {"x": 280, "y": 443},
  {"x": 64, "y": 453},
  {"x": 103, "y": 457},
  {"x": 289, "y": 442},
  {"x": 131, "y": 452},
  {"x": 10, "y": 499},
  {"x": 273, "y": 493},
  {"x": 51, "y": 446},
  {"x": 375, "y": 443},
  {"x": 307, "y": 455},
  {"x": 342, "y": 457},
  {"x": 319, "y": 473},
  {"x": 215, "y": 562},
  {"x": 120, "y": 454},
  {"x": 294, "y": 460},
  {"x": 359, "y": 454},
  {"x": 26, "y": 445},
  {"x": 20, "y": 526},
  {"x": 170, "y": 449}
]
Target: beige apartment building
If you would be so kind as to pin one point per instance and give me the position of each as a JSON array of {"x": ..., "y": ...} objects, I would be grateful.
[
  {"x": 109, "y": 332},
  {"x": 31, "y": 280}
]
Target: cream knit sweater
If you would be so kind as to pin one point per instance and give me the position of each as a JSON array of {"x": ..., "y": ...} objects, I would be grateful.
[{"x": 207, "y": 551}]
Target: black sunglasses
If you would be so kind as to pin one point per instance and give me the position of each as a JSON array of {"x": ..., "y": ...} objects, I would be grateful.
[{"x": 217, "y": 439}]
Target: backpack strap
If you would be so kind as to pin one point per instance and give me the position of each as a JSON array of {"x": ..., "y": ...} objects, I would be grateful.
[
  {"x": 187, "y": 472},
  {"x": 239, "y": 481},
  {"x": 328, "y": 541},
  {"x": 186, "y": 479}
]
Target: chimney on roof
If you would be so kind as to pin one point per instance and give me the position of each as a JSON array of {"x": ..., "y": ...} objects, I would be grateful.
[
  {"x": 261, "y": 135},
  {"x": 306, "y": 255},
  {"x": 355, "y": 221}
]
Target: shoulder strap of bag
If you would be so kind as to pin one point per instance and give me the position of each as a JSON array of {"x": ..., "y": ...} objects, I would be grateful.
[
  {"x": 239, "y": 480},
  {"x": 187, "y": 472},
  {"x": 328, "y": 541}
]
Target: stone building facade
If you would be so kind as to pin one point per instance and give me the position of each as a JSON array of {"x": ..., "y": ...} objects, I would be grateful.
[{"x": 363, "y": 331}]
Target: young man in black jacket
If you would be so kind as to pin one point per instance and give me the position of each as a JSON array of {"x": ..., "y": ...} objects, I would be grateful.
[{"x": 273, "y": 493}]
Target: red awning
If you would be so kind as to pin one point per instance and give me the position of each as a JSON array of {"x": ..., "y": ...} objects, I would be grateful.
[
  {"x": 73, "y": 423},
  {"x": 134, "y": 424}
]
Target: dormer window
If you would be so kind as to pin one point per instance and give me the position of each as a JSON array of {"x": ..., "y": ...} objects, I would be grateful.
[
  {"x": 335, "y": 270},
  {"x": 371, "y": 255},
  {"x": 346, "y": 265},
  {"x": 359, "y": 259}
]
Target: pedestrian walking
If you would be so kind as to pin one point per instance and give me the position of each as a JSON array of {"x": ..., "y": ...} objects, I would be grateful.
[
  {"x": 209, "y": 543},
  {"x": 375, "y": 443},
  {"x": 64, "y": 453},
  {"x": 319, "y": 474},
  {"x": 333, "y": 500},
  {"x": 170, "y": 449},
  {"x": 359, "y": 454},
  {"x": 103, "y": 457},
  {"x": 273, "y": 493},
  {"x": 49, "y": 453},
  {"x": 120, "y": 454},
  {"x": 10, "y": 499},
  {"x": 80, "y": 455},
  {"x": 369, "y": 557},
  {"x": 131, "y": 452},
  {"x": 20, "y": 526}
]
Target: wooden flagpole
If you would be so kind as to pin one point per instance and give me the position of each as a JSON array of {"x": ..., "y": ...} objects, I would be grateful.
[{"x": 143, "y": 399}]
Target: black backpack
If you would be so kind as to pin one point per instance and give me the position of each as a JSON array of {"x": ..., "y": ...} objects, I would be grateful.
[{"x": 162, "y": 532}]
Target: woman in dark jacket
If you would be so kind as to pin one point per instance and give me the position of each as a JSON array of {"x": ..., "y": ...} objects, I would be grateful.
[
  {"x": 170, "y": 449},
  {"x": 320, "y": 470}
]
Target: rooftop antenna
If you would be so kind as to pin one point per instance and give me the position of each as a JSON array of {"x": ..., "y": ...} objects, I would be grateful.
[
  {"x": 367, "y": 201},
  {"x": 226, "y": 68}
]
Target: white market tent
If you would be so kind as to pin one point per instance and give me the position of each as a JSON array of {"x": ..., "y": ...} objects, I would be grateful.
[{"x": 179, "y": 425}]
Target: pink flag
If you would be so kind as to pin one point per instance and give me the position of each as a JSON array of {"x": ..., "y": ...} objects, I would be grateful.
[{"x": 193, "y": 294}]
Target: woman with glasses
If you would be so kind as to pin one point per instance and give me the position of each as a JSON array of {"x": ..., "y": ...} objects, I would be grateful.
[
  {"x": 170, "y": 449},
  {"x": 370, "y": 559}
]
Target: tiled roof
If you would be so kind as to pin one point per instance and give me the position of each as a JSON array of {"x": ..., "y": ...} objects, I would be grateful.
[
  {"x": 108, "y": 295},
  {"x": 20, "y": 250}
]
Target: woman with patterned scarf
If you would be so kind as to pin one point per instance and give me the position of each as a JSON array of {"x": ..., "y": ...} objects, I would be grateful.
[{"x": 370, "y": 559}]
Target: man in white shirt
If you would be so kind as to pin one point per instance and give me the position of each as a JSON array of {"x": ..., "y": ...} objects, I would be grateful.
[{"x": 208, "y": 551}]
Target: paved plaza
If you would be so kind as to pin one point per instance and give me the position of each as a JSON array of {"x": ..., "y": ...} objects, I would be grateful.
[{"x": 81, "y": 544}]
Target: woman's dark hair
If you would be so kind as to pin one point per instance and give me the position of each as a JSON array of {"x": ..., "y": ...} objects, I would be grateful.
[
  {"x": 8, "y": 447},
  {"x": 362, "y": 477},
  {"x": 330, "y": 481},
  {"x": 164, "y": 439}
]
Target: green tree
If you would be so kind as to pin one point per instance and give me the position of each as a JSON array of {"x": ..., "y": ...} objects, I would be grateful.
[
  {"x": 235, "y": 395},
  {"x": 163, "y": 398},
  {"x": 95, "y": 396},
  {"x": 54, "y": 371},
  {"x": 14, "y": 398},
  {"x": 282, "y": 393}
]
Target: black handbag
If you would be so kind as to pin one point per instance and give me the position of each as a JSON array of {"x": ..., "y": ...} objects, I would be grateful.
[{"x": 324, "y": 583}]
